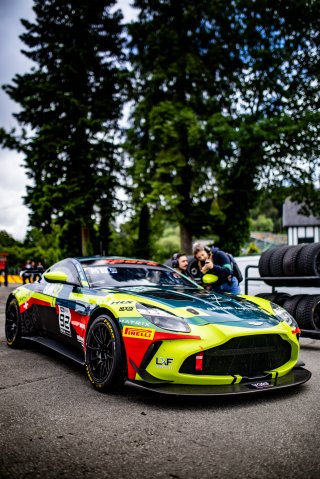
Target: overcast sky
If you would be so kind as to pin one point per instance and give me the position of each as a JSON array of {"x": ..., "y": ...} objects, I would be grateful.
[{"x": 13, "y": 179}]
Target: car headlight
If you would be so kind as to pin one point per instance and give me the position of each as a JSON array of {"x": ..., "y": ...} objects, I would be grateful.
[
  {"x": 163, "y": 319},
  {"x": 283, "y": 315}
]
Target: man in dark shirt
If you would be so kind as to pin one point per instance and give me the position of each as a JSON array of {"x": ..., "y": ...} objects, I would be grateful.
[{"x": 217, "y": 263}]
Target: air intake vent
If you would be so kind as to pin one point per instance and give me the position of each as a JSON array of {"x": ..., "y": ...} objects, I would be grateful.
[{"x": 246, "y": 356}]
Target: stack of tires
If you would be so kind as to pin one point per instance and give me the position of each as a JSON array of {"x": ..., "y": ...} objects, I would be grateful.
[
  {"x": 305, "y": 308},
  {"x": 283, "y": 262}
]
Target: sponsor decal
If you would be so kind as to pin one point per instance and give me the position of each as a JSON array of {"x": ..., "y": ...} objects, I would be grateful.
[
  {"x": 109, "y": 326},
  {"x": 23, "y": 298},
  {"x": 139, "y": 333},
  {"x": 122, "y": 302},
  {"x": 260, "y": 385},
  {"x": 126, "y": 308},
  {"x": 164, "y": 362},
  {"x": 64, "y": 320},
  {"x": 143, "y": 324},
  {"x": 255, "y": 323}
]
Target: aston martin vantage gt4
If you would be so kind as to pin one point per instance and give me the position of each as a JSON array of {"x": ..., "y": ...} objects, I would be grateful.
[{"x": 137, "y": 322}]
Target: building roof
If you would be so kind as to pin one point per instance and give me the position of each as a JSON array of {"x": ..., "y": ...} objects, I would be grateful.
[{"x": 292, "y": 217}]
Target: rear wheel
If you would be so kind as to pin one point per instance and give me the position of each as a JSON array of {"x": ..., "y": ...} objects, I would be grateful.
[
  {"x": 13, "y": 325},
  {"x": 105, "y": 358}
]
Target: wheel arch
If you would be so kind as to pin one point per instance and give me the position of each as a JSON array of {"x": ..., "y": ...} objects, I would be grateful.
[
  {"x": 103, "y": 310},
  {"x": 9, "y": 299}
]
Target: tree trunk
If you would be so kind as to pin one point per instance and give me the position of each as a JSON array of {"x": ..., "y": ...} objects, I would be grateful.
[
  {"x": 143, "y": 249},
  {"x": 185, "y": 239},
  {"x": 85, "y": 239}
]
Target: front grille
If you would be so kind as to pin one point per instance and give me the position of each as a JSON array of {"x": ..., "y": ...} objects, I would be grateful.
[{"x": 246, "y": 356}]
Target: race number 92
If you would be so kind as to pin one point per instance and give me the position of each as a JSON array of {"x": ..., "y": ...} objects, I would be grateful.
[{"x": 64, "y": 320}]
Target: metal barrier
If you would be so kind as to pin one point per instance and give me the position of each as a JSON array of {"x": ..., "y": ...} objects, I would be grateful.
[{"x": 285, "y": 281}]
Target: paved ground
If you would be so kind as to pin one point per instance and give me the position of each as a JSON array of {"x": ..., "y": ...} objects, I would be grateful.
[{"x": 53, "y": 424}]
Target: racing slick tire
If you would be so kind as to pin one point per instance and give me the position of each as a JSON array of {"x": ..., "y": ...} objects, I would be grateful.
[
  {"x": 104, "y": 357},
  {"x": 308, "y": 312},
  {"x": 13, "y": 325}
]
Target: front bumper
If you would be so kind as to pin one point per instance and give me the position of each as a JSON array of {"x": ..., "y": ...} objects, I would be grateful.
[{"x": 296, "y": 377}]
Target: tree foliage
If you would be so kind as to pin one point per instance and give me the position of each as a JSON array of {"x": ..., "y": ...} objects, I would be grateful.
[
  {"x": 224, "y": 104},
  {"x": 225, "y": 100},
  {"x": 71, "y": 102}
]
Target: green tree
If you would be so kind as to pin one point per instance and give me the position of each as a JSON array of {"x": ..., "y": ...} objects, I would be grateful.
[
  {"x": 71, "y": 102},
  {"x": 6, "y": 240},
  {"x": 270, "y": 136},
  {"x": 261, "y": 223},
  {"x": 175, "y": 86},
  {"x": 225, "y": 101}
]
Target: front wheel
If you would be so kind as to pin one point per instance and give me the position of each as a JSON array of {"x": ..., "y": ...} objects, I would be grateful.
[
  {"x": 13, "y": 325},
  {"x": 105, "y": 358}
]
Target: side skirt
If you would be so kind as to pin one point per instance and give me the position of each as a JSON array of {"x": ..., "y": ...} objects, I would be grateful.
[{"x": 54, "y": 345}]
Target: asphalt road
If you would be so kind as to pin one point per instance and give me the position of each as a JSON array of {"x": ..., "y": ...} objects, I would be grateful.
[{"x": 53, "y": 424}]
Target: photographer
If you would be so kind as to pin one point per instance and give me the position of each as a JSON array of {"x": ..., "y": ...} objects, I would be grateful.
[{"x": 217, "y": 263}]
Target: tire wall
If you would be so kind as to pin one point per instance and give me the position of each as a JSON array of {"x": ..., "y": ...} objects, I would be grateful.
[
  {"x": 300, "y": 265},
  {"x": 290, "y": 261}
]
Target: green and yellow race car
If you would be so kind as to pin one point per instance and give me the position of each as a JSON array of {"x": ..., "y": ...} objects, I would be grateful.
[{"x": 137, "y": 322}]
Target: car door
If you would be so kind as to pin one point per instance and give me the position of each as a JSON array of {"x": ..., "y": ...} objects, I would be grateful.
[{"x": 58, "y": 308}]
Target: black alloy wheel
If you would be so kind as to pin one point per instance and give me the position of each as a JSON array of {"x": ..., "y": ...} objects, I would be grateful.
[
  {"x": 105, "y": 359},
  {"x": 13, "y": 325}
]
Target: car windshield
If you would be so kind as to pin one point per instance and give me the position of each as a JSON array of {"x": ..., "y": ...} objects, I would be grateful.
[{"x": 123, "y": 275}]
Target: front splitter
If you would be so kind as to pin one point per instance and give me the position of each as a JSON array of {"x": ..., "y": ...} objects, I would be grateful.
[{"x": 295, "y": 378}]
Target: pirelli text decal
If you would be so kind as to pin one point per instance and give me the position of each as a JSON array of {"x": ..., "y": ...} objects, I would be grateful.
[{"x": 139, "y": 333}]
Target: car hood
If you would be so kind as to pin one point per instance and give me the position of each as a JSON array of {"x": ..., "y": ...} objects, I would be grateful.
[{"x": 209, "y": 307}]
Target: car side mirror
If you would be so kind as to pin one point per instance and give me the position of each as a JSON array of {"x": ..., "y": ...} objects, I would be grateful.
[{"x": 57, "y": 277}]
